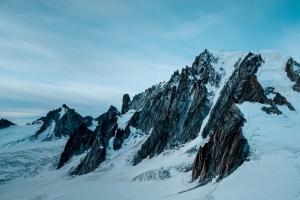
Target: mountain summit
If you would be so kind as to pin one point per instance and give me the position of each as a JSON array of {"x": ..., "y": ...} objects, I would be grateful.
[
  {"x": 61, "y": 122},
  {"x": 4, "y": 123}
]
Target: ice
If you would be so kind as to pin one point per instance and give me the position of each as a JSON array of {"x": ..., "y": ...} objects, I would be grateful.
[{"x": 23, "y": 156}]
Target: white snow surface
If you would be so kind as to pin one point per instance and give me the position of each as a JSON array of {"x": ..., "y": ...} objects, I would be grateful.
[
  {"x": 123, "y": 120},
  {"x": 49, "y": 132},
  {"x": 94, "y": 125},
  {"x": 63, "y": 111},
  {"x": 272, "y": 172}
]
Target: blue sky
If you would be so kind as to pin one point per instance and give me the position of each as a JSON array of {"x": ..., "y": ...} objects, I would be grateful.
[{"x": 87, "y": 54}]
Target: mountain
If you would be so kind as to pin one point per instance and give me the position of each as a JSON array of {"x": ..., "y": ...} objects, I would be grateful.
[
  {"x": 60, "y": 122},
  {"x": 4, "y": 123},
  {"x": 173, "y": 112},
  {"x": 227, "y": 127}
]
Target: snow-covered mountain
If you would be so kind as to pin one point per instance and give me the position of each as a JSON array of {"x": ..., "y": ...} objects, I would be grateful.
[
  {"x": 60, "y": 122},
  {"x": 224, "y": 128}
]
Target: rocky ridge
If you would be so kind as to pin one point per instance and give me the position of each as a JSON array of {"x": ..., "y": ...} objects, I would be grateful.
[
  {"x": 61, "y": 122},
  {"x": 198, "y": 102},
  {"x": 103, "y": 133}
]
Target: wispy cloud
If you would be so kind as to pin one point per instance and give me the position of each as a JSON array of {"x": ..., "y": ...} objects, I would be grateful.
[
  {"x": 191, "y": 29},
  {"x": 289, "y": 43},
  {"x": 88, "y": 53}
]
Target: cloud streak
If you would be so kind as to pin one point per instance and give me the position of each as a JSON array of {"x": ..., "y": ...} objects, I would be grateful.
[{"x": 87, "y": 54}]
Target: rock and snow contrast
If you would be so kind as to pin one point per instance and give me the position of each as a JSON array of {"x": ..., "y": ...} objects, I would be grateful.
[
  {"x": 4, "y": 123},
  {"x": 60, "y": 122},
  {"x": 225, "y": 128}
]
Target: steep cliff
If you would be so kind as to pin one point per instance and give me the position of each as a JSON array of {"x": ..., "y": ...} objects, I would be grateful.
[
  {"x": 227, "y": 148},
  {"x": 79, "y": 142},
  {"x": 177, "y": 111}
]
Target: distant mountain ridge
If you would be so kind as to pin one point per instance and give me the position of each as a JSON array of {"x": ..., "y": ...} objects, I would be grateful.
[
  {"x": 60, "y": 122},
  {"x": 4, "y": 123}
]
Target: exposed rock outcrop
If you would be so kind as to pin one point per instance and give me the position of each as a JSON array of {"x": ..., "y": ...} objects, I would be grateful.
[
  {"x": 79, "y": 142},
  {"x": 277, "y": 100},
  {"x": 38, "y": 121},
  {"x": 177, "y": 111},
  {"x": 227, "y": 148},
  {"x": 125, "y": 102},
  {"x": 92, "y": 160},
  {"x": 174, "y": 109},
  {"x": 63, "y": 121},
  {"x": 293, "y": 72},
  {"x": 103, "y": 133},
  {"x": 4, "y": 123},
  {"x": 141, "y": 99}
]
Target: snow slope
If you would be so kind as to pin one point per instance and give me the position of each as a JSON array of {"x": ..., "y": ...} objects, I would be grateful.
[
  {"x": 272, "y": 172},
  {"x": 22, "y": 156}
]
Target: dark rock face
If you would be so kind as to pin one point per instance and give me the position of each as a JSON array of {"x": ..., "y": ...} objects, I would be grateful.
[
  {"x": 141, "y": 99},
  {"x": 227, "y": 148},
  {"x": 120, "y": 136},
  {"x": 68, "y": 123},
  {"x": 103, "y": 133},
  {"x": 271, "y": 110},
  {"x": 108, "y": 125},
  {"x": 4, "y": 123},
  {"x": 65, "y": 123},
  {"x": 92, "y": 160},
  {"x": 281, "y": 100},
  {"x": 293, "y": 72},
  {"x": 88, "y": 120},
  {"x": 79, "y": 142},
  {"x": 169, "y": 107},
  {"x": 177, "y": 111},
  {"x": 125, "y": 102},
  {"x": 277, "y": 100}
]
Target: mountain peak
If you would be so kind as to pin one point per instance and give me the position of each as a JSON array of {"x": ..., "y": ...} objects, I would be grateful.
[
  {"x": 62, "y": 121},
  {"x": 4, "y": 123},
  {"x": 65, "y": 106}
]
